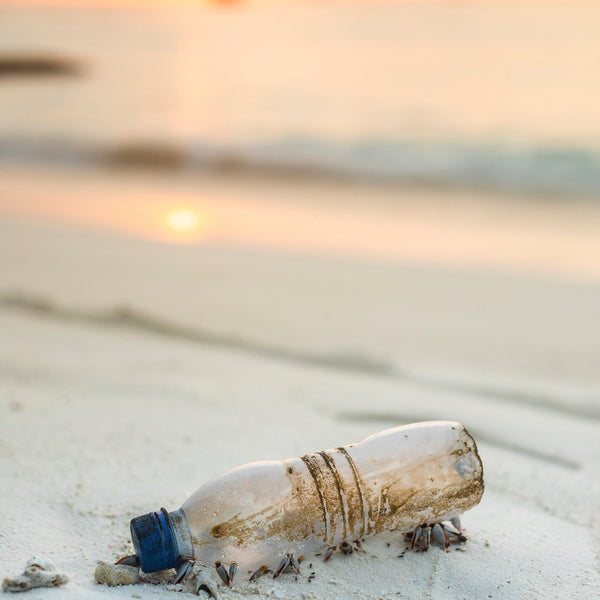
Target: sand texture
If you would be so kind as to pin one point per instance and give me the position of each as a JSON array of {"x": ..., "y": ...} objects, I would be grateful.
[{"x": 132, "y": 372}]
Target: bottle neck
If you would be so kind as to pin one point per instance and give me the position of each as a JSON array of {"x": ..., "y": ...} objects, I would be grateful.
[{"x": 181, "y": 532}]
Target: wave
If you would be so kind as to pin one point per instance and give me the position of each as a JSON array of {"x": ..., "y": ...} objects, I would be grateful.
[
  {"x": 133, "y": 319},
  {"x": 547, "y": 170}
]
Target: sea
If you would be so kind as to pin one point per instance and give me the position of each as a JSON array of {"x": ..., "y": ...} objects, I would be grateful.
[{"x": 499, "y": 94}]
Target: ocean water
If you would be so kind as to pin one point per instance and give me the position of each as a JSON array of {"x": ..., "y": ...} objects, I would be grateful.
[{"x": 496, "y": 94}]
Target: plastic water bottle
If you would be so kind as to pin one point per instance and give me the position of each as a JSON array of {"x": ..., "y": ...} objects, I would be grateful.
[{"x": 256, "y": 514}]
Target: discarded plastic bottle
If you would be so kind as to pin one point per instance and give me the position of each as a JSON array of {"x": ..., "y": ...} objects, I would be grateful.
[{"x": 255, "y": 514}]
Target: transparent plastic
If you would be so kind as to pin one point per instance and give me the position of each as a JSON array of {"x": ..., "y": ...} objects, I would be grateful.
[{"x": 394, "y": 480}]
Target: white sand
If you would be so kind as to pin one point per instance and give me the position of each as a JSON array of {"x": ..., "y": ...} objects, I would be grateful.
[{"x": 251, "y": 354}]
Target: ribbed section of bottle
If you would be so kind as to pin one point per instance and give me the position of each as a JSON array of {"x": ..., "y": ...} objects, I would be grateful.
[
  {"x": 339, "y": 493},
  {"x": 395, "y": 480}
]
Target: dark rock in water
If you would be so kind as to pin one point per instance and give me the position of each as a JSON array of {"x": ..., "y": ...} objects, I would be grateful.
[
  {"x": 146, "y": 156},
  {"x": 36, "y": 66}
]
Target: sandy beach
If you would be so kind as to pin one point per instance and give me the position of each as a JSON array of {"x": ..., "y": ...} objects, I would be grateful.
[{"x": 134, "y": 369}]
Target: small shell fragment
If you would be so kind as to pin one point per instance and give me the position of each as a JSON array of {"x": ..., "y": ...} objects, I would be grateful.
[
  {"x": 205, "y": 584},
  {"x": 37, "y": 574}
]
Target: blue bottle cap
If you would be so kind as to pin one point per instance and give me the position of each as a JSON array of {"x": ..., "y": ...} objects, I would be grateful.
[{"x": 154, "y": 541}]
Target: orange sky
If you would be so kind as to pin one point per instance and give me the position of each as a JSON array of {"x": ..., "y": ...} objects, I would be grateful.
[
  {"x": 106, "y": 2},
  {"x": 97, "y": 2},
  {"x": 196, "y": 2},
  {"x": 118, "y": 2}
]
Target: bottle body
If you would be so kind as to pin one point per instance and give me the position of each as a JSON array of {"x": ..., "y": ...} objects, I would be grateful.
[{"x": 394, "y": 480}]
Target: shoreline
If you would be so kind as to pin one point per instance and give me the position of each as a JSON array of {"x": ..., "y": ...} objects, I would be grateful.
[
  {"x": 379, "y": 282},
  {"x": 475, "y": 229}
]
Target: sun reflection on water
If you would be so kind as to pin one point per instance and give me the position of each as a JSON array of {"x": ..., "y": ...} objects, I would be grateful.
[
  {"x": 183, "y": 219},
  {"x": 183, "y": 225}
]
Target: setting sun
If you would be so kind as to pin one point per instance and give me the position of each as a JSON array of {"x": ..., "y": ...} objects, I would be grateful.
[
  {"x": 183, "y": 220},
  {"x": 181, "y": 225}
]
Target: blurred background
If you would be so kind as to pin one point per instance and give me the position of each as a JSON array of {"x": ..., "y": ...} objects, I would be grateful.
[{"x": 385, "y": 185}]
